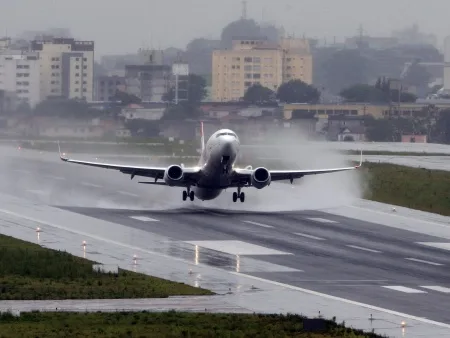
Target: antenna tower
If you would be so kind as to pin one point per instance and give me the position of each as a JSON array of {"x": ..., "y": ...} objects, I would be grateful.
[{"x": 244, "y": 10}]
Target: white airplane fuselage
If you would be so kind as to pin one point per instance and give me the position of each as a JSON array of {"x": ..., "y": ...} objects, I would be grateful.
[{"x": 217, "y": 160}]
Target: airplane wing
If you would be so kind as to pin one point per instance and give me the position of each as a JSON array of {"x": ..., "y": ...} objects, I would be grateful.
[
  {"x": 190, "y": 174},
  {"x": 243, "y": 175}
]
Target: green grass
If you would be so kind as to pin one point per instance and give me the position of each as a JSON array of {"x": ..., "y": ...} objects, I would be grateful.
[
  {"x": 169, "y": 324},
  {"x": 28, "y": 271},
  {"x": 392, "y": 153},
  {"x": 421, "y": 189}
]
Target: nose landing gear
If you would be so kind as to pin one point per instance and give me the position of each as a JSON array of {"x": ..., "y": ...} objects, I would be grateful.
[
  {"x": 239, "y": 195},
  {"x": 187, "y": 194}
]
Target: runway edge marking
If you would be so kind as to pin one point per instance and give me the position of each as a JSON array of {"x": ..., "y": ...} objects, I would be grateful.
[{"x": 287, "y": 286}]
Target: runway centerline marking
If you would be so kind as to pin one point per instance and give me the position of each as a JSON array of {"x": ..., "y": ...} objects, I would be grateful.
[
  {"x": 127, "y": 193},
  {"x": 258, "y": 224},
  {"x": 363, "y": 249},
  {"x": 60, "y": 178},
  {"x": 323, "y": 220},
  {"x": 237, "y": 248},
  {"x": 87, "y": 184},
  {"x": 403, "y": 289},
  {"x": 309, "y": 236},
  {"x": 437, "y": 288},
  {"x": 144, "y": 219},
  {"x": 422, "y": 261}
]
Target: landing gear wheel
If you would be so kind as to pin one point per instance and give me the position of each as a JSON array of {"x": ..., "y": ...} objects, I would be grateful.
[
  {"x": 235, "y": 196},
  {"x": 191, "y": 195},
  {"x": 185, "y": 195},
  {"x": 242, "y": 197}
]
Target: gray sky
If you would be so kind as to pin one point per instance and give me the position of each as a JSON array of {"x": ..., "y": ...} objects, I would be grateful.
[{"x": 119, "y": 26}]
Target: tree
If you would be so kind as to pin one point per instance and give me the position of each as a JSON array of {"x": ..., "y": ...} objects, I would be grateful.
[
  {"x": 258, "y": 94},
  {"x": 297, "y": 91},
  {"x": 364, "y": 93},
  {"x": 380, "y": 93},
  {"x": 199, "y": 53},
  {"x": 196, "y": 89},
  {"x": 61, "y": 107},
  {"x": 417, "y": 75},
  {"x": 442, "y": 128},
  {"x": 169, "y": 96},
  {"x": 344, "y": 68}
]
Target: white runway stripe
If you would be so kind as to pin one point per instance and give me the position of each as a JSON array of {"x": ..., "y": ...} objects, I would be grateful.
[
  {"x": 403, "y": 289},
  {"x": 363, "y": 249},
  {"x": 144, "y": 219},
  {"x": 127, "y": 194},
  {"x": 309, "y": 236},
  {"x": 437, "y": 288},
  {"x": 258, "y": 224},
  {"x": 59, "y": 178},
  {"x": 87, "y": 184},
  {"x": 425, "y": 262},
  {"x": 237, "y": 248},
  {"x": 323, "y": 220}
]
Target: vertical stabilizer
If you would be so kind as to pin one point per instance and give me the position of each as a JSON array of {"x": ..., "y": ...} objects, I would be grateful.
[{"x": 202, "y": 137}]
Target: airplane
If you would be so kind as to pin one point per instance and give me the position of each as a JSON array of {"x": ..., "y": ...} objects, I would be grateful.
[{"x": 215, "y": 171}]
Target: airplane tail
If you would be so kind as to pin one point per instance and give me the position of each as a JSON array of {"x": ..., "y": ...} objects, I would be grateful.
[{"x": 202, "y": 137}]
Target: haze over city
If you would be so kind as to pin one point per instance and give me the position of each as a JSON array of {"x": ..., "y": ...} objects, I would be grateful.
[{"x": 120, "y": 26}]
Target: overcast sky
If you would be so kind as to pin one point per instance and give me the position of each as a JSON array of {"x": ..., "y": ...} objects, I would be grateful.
[{"x": 119, "y": 26}]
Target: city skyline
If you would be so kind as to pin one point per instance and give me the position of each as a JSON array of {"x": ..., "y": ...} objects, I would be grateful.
[{"x": 118, "y": 27}]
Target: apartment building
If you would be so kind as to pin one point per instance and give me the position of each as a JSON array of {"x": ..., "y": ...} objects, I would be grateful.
[
  {"x": 256, "y": 61},
  {"x": 20, "y": 75},
  {"x": 105, "y": 87},
  {"x": 148, "y": 82},
  {"x": 67, "y": 68}
]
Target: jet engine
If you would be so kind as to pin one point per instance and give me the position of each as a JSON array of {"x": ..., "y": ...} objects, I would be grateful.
[
  {"x": 173, "y": 174},
  {"x": 260, "y": 178}
]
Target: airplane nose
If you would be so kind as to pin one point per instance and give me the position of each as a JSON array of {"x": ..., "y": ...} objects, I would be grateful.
[{"x": 229, "y": 148}]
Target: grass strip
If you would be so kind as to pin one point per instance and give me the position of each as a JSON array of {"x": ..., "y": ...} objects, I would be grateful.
[
  {"x": 30, "y": 272},
  {"x": 415, "y": 188},
  {"x": 167, "y": 324}
]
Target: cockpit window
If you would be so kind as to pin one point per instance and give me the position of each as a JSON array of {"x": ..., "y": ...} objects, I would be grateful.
[{"x": 226, "y": 133}]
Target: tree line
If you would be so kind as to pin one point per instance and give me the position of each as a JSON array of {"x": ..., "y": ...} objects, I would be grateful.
[{"x": 294, "y": 91}]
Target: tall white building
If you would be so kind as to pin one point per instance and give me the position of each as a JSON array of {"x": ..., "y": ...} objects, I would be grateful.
[
  {"x": 67, "y": 68},
  {"x": 20, "y": 74}
]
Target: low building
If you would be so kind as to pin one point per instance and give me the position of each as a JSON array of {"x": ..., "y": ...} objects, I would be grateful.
[
  {"x": 414, "y": 138},
  {"x": 346, "y": 128},
  {"x": 145, "y": 112},
  {"x": 378, "y": 111}
]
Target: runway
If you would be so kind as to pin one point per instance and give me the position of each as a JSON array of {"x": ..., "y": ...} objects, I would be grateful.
[{"x": 385, "y": 260}]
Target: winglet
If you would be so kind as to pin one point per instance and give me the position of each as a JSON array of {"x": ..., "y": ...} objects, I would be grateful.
[
  {"x": 360, "y": 160},
  {"x": 61, "y": 156}
]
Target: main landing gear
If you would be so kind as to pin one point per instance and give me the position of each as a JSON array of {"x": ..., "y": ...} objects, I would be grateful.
[
  {"x": 188, "y": 193},
  {"x": 239, "y": 195}
]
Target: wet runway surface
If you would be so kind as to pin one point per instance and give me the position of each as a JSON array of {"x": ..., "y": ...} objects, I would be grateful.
[
  {"x": 335, "y": 255},
  {"x": 361, "y": 261}
]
